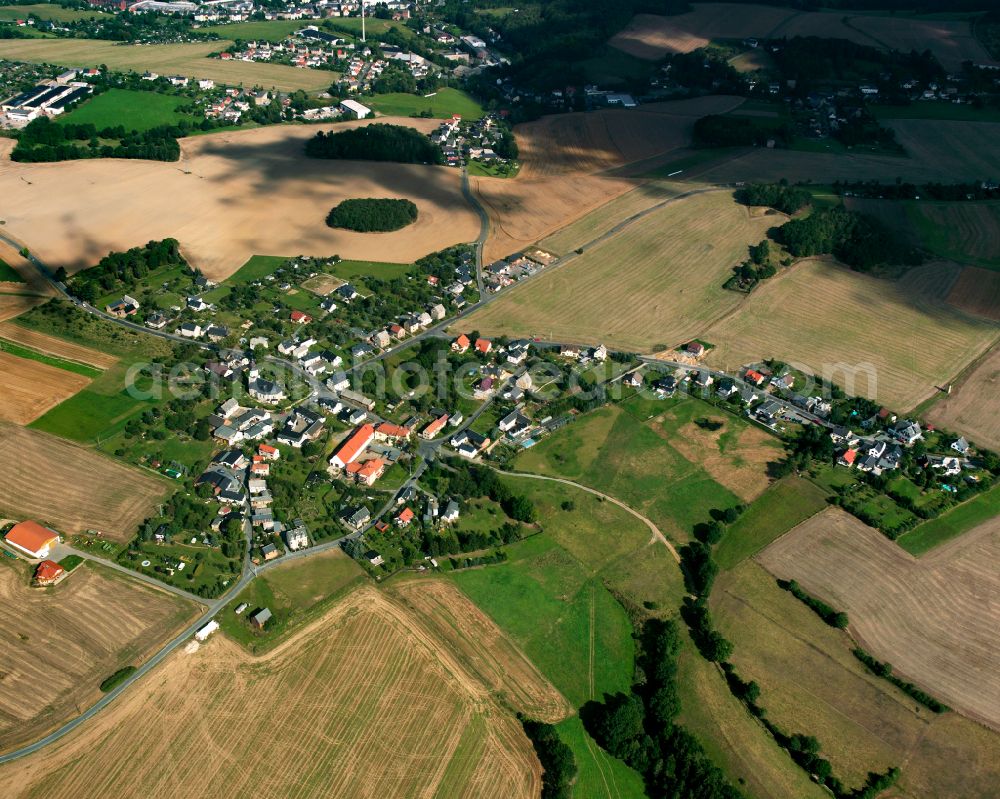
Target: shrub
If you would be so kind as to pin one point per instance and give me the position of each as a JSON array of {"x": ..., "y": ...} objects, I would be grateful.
[{"x": 372, "y": 214}]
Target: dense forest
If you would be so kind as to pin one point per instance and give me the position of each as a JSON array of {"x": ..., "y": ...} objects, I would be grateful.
[
  {"x": 372, "y": 215},
  {"x": 45, "y": 140},
  {"x": 378, "y": 142},
  {"x": 779, "y": 196},
  {"x": 735, "y": 131},
  {"x": 121, "y": 271}
]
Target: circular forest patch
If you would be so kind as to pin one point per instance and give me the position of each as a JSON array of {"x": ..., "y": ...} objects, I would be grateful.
[{"x": 372, "y": 215}]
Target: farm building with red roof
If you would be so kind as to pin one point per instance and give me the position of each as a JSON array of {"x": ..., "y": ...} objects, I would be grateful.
[{"x": 32, "y": 539}]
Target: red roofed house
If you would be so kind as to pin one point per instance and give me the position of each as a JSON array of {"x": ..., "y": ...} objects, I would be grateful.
[
  {"x": 269, "y": 452},
  {"x": 381, "y": 526},
  {"x": 301, "y": 318},
  {"x": 434, "y": 427},
  {"x": 385, "y": 431},
  {"x": 753, "y": 376},
  {"x": 405, "y": 517},
  {"x": 32, "y": 539},
  {"x": 367, "y": 472},
  {"x": 483, "y": 345},
  {"x": 695, "y": 348},
  {"x": 848, "y": 458},
  {"x": 461, "y": 344},
  {"x": 48, "y": 573},
  {"x": 352, "y": 448},
  {"x": 261, "y": 469}
]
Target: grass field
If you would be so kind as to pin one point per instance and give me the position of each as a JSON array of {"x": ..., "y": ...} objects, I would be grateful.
[
  {"x": 935, "y": 109},
  {"x": 973, "y": 407},
  {"x": 894, "y": 341},
  {"x": 8, "y": 275},
  {"x": 135, "y": 110},
  {"x": 810, "y": 682},
  {"x": 352, "y": 270},
  {"x": 635, "y": 461},
  {"x": 295, "y": 593},
  {"x": 599, "y": 774},
  {"x": 50, "y": 360},
  {"x": 960, "y": 519},
  {"x": 32, "y": 387},
  {"x": 71, "y": 637},
  {"x": 72, "y": 488},
  {"x": 50, "y": 11},
  {"x": 667, "y": 269},
  {"x": 937, "y": 631},
  {"x": 785, "y": 504},
  {"x": 276, "y": 30},
  {"x": 182, "y": 59},
  {"x": 361, "y": 703},
  {"x": 442, "y": 104}
]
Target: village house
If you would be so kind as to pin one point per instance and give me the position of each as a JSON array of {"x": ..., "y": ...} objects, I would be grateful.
[
  {"x": 297, "y": 538},
  {"x": 461, "y": 344},
  {"x": 48, "y": 573},
  {"x": 126, "y": 306},
  {"x": 358, "y": 517},
  {"x": 451, "y": 512},
  {"x": 434, "y": 427},
  {"x": 366, "y": 472},
  {"x": 405, "y": 517}
]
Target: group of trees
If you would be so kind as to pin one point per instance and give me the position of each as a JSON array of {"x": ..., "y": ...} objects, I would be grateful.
[
  {"x": 902, "y": 190},
  {"x": 860, "y": 241},
  {"x": 121, "y": 271},
  {"x": 372, "y": 214},
  {"x": 779, "y": 196},
  {"x": 828, "y": 614},
  {"x": 754, "y": 269},
  {"x": 716, "y": 130},
  {"x": 481, "y": 481},
  {"x": 640, "y": 727},
  {"x": 44, "y": 140},
  {"x": 378, "y": 142},
  {"x": 558, "y": 764}
]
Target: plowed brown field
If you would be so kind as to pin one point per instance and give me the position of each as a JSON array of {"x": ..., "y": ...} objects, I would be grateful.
[
  {"x": 60, "y": 643},
  {"x": 232, "y": 195},
  {"x": 70, "y": 487},
  {"x": 977, "y": 291},
  {"x": 31, "y": 388},
  {"x": 361, "y": 703},
  {"x": 933, "y": 619}
]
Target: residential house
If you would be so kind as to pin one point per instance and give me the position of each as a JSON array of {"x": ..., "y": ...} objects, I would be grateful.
[
  {"x": 451, "y": 512},
  {"x": 961, "y": 446},
  {"x": 514, "y": 424},
  {"x": 461, "y": 344},
  {"x": 357, "y": 518},
  {"x": 907, "y": 431},
  {"x": 483, "y": 345},
  {"x": 366, "y": 472},
  {"x": 405, "y": 517},
  {"x": 695, "y": 349},
  {"x": 189, "y": 330},
  {"x": 266, "y": 391},
  {"x": 126, "y": 306},
  {"x": 269, "y": 551},
  {"x": 434, "y": 427},
  {"x": 297, "y": 538},
  {"x": 48, "y": 573}
]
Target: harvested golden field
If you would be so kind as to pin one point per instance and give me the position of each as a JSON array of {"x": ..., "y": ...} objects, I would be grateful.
[
  {"x": 575, "y": 163},
  {"x": 483, "y": 648},
  {"x": 810, "y": 681},
  {"x": 181, "y": 59},
  {"x": 12, "y": 305},
  {"x": 973, "y": 407},
  {"x": 31, "y": 388},
  {"x": 56, "y": 346},
  {"x": 61, "y": 642},
  {"x": 941, "y": 630},
  {"x": 654, "y": 285},
  {"x": 361, "y": 703},
  {"x": 652, "y": 37},
  {"x": 977, "y": 291},
  {"x": 897, "y": 338},
  {"x": 72, "y": 488},
  {"x": 233, "y": 195}
]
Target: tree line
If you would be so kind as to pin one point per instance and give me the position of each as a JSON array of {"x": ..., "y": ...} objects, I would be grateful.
[
  {"x": 378, "y": 142},
  {"x": 718, "y": 130},
  {"x": 43, "y": 140},
  {"x": 121, "y": 271}
]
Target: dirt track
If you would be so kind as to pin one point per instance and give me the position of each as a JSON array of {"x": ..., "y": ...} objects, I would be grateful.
[{"x": 232, "y": 195}]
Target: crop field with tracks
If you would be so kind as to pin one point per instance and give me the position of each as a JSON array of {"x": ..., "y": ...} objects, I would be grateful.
[
  {"x": 939, "y": 631},
  {"x": 63, "y": 641},
  {"x": 364, "y": 702},
  {"x": 72, "y": 488},
  {"x": 31, "y": 388},
  {"x": 973, "y": 407}
]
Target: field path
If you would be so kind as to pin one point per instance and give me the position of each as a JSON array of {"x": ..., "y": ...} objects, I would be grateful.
[{"x": 656, "y": 534}]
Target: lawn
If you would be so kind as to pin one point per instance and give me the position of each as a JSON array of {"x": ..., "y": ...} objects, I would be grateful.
[
  {"x": 295, "y": 592},
  {"x": 505, "y": 170},
  {"x": 775, "y": 512},
  {"x": 8, "y": 274},
  {"x": 259, "y": 266},
  {"x": 443, "y": 104},
  {"x": 134, "y": 110},
  {"x": 956, "y": 521},
  {"x": 49, "y": 11},
  {"x": 354, "y": 270},
  {"x": 50, "y": 360}
]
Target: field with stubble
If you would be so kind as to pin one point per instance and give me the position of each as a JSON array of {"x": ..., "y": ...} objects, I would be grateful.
[
  {"x": 572, "y": 164},
  {"x": 899, "y": 338},
  {"x": 651, "y": 286},
  {"x": 361, "y": 703},
  {"x": 810, "y": 681},
  {"x": 61, "y": 642},
  {"x": 973, "y": 407},
  {"x": 941, "y": 630},
  {"x": 72, "y": 488},
  {"x": 31, "y": 388},
  {"x": 233, "y": 194}
]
